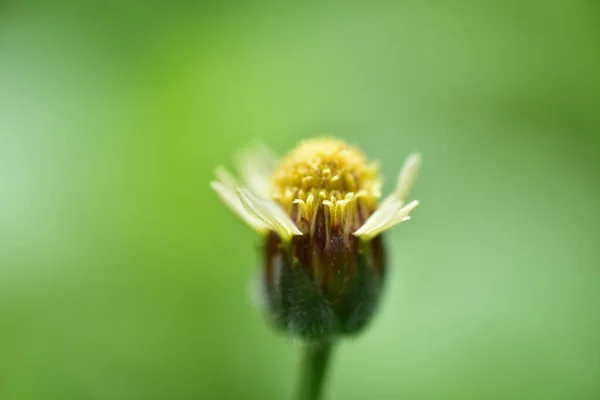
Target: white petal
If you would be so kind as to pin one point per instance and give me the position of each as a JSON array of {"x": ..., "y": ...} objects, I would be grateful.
[
  {"x": 402, "y": 213},
  {"x": 270, "y": 213},
  {"x": 387, "y": 209},
  {"x": 385, "y": 220},
  {"x": 408, "y": 175},
  {"x": 256, "y": 166},
  {"x": 226, "y": 178},
  {"x": 229, "y": 196},
  {"x": 392, "y": 210}
]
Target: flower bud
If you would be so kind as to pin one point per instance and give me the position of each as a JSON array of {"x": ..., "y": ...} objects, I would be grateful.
[{"x": 317, "y": 210}]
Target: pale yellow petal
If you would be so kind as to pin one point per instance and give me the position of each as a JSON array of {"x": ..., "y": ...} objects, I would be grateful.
[
  {"x": 381, "y": 221},
  {"x": 229, "y": 196},
  {"x": 269, "y": 213},
  {"x": 408, "y": 175},
  {"x": 256, "y": 165}
]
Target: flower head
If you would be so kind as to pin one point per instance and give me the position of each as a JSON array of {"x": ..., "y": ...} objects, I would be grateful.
[{"x": 321, "y": 222}]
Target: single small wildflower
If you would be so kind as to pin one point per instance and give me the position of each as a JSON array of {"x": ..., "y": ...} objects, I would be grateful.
[{"x": 321, "y": 224}]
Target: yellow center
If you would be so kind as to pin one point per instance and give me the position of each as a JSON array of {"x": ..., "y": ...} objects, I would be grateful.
[{"x": 326, "y": 172}]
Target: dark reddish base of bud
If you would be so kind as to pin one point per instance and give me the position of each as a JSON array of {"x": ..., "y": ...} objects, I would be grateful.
[{"x": 315, "y": 309}]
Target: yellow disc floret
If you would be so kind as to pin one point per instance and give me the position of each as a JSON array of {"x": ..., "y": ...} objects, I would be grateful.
[{"x": 329, "y": 174}]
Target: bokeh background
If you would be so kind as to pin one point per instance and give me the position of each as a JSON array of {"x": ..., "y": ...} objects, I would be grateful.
[{"x": 123, "y": 277}]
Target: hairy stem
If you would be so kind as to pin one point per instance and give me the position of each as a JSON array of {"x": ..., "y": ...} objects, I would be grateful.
[{"x": 313, "y": 369}]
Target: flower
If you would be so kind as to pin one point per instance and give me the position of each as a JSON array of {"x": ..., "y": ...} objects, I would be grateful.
[{"x": 320, "y": 220}]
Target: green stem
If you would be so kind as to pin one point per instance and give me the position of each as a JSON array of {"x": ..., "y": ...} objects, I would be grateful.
[{"x": 314, "y": 366}]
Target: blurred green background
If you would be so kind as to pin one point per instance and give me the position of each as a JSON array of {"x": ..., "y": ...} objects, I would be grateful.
[{"x": 123, "y": 277}]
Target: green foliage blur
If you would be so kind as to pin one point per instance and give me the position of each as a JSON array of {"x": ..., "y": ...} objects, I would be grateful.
[{"x": 123, "y": 277}]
